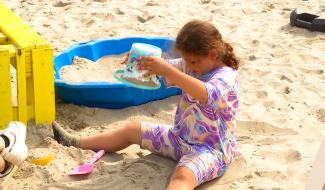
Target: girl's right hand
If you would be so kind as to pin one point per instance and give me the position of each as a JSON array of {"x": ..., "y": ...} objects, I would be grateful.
[
  {"x": 126, "y": 58},
  {"x": 155, "y": 65}
]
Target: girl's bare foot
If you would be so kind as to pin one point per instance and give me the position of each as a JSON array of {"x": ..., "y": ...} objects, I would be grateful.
[{"x": 63, "y": 137}]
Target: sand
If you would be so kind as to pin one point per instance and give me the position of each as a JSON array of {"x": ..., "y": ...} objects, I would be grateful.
[
  {"x": 281, "y": 119},
  {"x": 85, "y": 70}
]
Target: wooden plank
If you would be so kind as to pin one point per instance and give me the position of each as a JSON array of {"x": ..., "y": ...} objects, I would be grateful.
[
  {"x": 3, "y": 39},
  {"x": 19, "y": 32},
  {"x": 5, "y": 89},
  {"x": 30, "y": 112},
  {"x": 44, "y": 96},
  {"x": 21, "y": 87},
  {"x": 11, "y": 48}
]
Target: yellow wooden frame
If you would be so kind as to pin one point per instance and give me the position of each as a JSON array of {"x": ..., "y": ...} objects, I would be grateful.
[{"x": 32, "y": 56}]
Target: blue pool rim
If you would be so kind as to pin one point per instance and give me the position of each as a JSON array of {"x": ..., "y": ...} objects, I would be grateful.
[{"x": 114, "y": 95}]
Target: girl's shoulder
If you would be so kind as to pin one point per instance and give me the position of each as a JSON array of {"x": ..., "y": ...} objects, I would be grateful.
[
  {"x": 224, "y": 72},
  {"x": 227, "y": 75}
]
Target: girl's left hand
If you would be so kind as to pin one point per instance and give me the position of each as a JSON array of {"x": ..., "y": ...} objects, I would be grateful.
[{"x": 154, "y": 65}]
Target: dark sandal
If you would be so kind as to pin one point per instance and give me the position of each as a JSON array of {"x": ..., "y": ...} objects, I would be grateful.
[{"x": 306, "y": 20}]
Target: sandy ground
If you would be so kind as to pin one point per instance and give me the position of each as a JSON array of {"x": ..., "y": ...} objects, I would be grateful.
[
  {"x": 281, "y": 120},
  {"x": 84, "y": 70}
]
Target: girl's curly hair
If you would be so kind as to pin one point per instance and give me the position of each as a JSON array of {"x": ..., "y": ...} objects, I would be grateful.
[{"x": 199, "y": 37}]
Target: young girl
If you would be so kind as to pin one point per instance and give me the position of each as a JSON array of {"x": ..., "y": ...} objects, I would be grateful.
[{"x": 203, "y": 137}]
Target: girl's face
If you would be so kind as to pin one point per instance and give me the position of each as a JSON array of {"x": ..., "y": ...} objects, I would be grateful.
[{"x": 201, "y": 64}]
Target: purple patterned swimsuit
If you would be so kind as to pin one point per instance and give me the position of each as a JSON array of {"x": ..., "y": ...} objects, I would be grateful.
[{"x": 203, "y": 137}]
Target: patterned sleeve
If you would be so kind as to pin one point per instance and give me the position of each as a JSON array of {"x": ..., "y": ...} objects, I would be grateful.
[{"x": 217, "y": 89}]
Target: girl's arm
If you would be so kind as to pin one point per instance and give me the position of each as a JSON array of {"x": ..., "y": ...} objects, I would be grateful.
[
  {"x": 190, "y": 85},
  {"x": 177, "y": 63}
]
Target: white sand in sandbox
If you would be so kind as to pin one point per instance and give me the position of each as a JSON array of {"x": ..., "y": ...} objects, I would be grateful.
[{"x": 85, "y": 70}]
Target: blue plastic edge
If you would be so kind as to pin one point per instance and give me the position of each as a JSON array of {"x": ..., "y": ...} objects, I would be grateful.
[{"x": 109, "y": 94}]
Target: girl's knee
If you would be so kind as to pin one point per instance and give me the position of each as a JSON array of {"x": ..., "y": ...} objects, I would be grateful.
[
  {"x": 133, "y": 129},
  {"x": 132, "y": 126},
  {"x": 185, "y": 175}
]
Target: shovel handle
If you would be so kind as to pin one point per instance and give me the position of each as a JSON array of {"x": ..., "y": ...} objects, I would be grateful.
[{"x": 96, "y": 156}]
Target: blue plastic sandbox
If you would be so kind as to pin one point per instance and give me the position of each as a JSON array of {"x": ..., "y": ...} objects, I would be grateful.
[{"x": 112, "y": 95}]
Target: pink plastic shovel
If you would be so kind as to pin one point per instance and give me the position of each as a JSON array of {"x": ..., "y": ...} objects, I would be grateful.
[{"x": 87, "y": 168}]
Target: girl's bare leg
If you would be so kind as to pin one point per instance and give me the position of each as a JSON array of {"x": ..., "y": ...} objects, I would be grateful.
[
  {"x": 114, "y": 140},
  {"x": 110, "y": 141}
]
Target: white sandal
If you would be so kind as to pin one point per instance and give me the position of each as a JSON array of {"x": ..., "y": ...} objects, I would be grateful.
[{"x": 16, "y": 152}]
